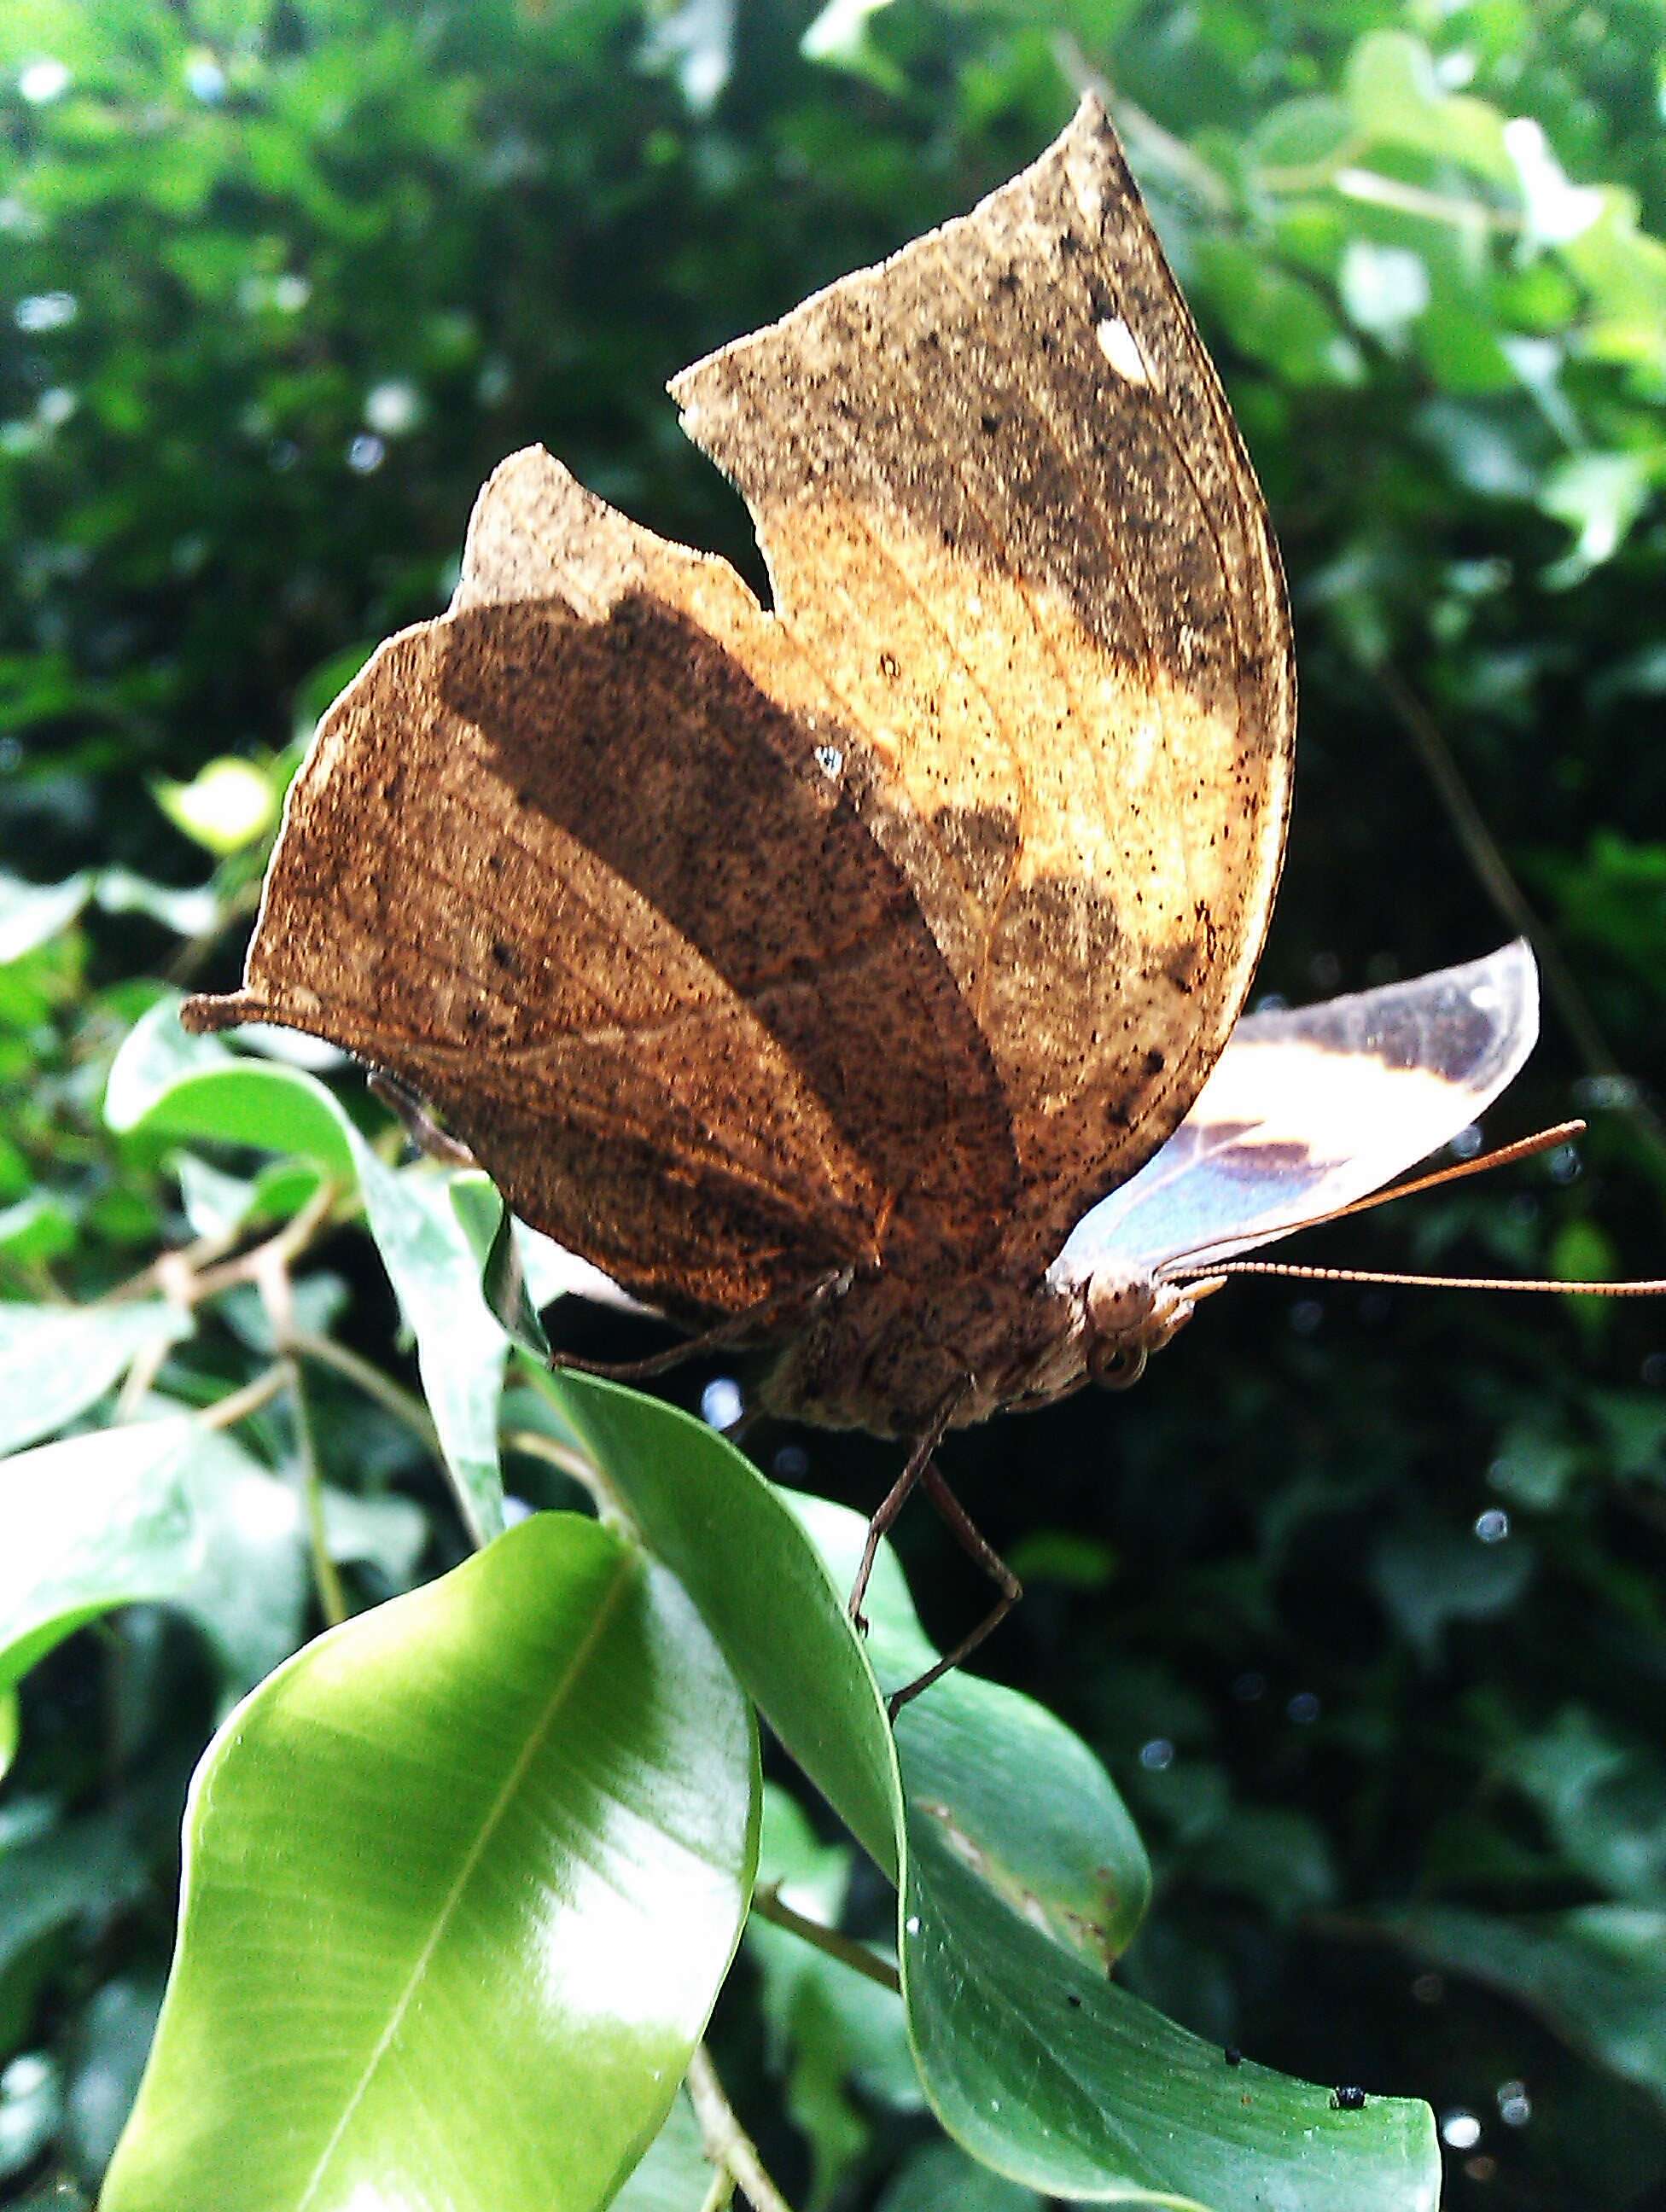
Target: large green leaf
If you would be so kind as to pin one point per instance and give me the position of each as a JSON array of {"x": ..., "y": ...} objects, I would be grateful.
[
  {"x": 169, "y": 1083},
  {"x": 462, "y": 1882},
  {"x": 56, "y": 1361},
  {"x": 1020, "y": 1873}
]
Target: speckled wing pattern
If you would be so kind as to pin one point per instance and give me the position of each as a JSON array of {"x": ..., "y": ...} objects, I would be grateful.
[
  {"x": 1311, "y": 1108},
  {"x": 887, "y": 927},
  {"x": 1008, "y": 517}
]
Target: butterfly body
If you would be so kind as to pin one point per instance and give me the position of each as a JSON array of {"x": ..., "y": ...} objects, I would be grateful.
[{"x": 887, "y": 1356}]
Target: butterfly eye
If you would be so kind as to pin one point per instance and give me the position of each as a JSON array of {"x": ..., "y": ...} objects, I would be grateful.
[{"x": 1116, "y": 1367}]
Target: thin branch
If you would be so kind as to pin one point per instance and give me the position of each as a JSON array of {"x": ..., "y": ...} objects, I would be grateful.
[
  {"x": 333, "y": 1598},
  {"x": 1493, "y": 872},
  {"x": 405, "y": 1405},
  {"x": 1181, "y": 160},
  {"x": 720, "y": 2194},
  {"x": 536, "y": 1445},
  {"x": 726, "y": 2143},
  {"x": 238, "y": 1405},
  {"x": 768, "y": 1904}
]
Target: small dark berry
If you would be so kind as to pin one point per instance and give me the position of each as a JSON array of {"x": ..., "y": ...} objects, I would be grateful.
[{"x": 1348, "y": 2100}]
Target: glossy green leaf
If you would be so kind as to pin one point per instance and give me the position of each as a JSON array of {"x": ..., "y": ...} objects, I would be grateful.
[
  {"x": 1021, "y": 1872},
  {"x": 170, "y": 1084},
  {"x": 462, "y": 1882},
  {"x": 760, "y": 1586},
  {"x": 1596, "y": 1974},
  {"x": 56, "y": 1361}
]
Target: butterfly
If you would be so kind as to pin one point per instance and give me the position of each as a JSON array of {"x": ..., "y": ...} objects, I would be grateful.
[{"x": 847, "y": 975}]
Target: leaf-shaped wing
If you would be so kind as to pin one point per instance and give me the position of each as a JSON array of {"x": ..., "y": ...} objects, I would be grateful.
[{"x": 1010, "y": 520}]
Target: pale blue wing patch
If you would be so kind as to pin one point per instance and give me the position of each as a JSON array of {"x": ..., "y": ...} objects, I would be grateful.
[{"x": 1311, "y": 1108}]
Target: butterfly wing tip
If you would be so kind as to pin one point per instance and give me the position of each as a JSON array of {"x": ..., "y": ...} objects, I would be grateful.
[{"x": 203, "y": 1012}]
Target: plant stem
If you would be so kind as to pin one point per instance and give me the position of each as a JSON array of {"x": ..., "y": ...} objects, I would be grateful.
[
  {"x": 405, "y": 1405},
  {"x": 238, "y": 1405},
  {"x": 728, "y": 2146},
  {"x": 768, "y": 1905},
  {"x": 536, "y": 1445},
  {"x": 333, "y": 1598}
]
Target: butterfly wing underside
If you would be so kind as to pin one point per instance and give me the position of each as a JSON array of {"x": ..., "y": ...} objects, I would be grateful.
[
  {"x": 1311, "y": 1108},
  {"x": 885, "y": 927},
  {"x": 1010, "y": 521}
]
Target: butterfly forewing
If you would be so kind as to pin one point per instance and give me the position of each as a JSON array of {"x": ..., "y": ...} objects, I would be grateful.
[
  {"x": 883, "y": 929},
  {"x": 1311, "y": 1108},
  {"x": 1009, "y": 519}
]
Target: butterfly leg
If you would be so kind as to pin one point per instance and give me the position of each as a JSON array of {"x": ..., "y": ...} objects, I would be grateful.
[
  {"x": 919, "y": 1464},
  {"x": 419, "y": 1124},
  {"x": 972, "y": 1541},
  {"x": 764, "y": 1316}
]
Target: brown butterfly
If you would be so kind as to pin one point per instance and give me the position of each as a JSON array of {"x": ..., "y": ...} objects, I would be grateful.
[{"x": 815, "y": 970}]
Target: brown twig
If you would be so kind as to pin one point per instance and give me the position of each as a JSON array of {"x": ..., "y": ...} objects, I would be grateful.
[
  {"x": 238, "y": 1405},
  {"x": 768, "y": 1904}
]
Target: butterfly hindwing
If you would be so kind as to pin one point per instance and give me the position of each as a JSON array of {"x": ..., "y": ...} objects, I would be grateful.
[{"x": 1311, "y": 1108}]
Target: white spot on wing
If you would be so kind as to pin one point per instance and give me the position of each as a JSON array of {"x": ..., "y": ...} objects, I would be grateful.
[{"x": 1121, "y": 349}]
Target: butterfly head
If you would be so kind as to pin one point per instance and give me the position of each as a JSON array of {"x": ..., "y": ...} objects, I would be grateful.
[{"x": 1130, "y": 1313}]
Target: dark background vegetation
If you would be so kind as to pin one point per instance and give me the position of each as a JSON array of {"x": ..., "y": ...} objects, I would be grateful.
[{"x": 1361, "y": 1595}]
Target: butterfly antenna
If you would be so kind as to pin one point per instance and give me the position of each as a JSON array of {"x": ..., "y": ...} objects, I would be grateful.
[
  {"x": 1524, "y": 1148},
  {"x": 1654, "y": 1288}
]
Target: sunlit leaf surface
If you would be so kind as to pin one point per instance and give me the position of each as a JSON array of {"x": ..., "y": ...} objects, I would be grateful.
[{"x": 462, "y": 1882}]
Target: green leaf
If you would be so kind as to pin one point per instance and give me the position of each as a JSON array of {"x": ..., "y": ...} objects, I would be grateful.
[
  {"x": 461, "y": 1348},
  {"x": 940, "y": 2177},
  {"x": 165, "y": 1082},
  {"x": 1596, "y": 1974},
  {"x": 1020, "y": 1873},
  {"x": 762, "y": 1588},
  {"x": 38, "y": 1227},
  {"x": 1602, "y": 1799},
  {"x": 1397, "y": 100},
  {"x": 1428, "y": 1574},
  {"x": 674, "y": 2175},
  {"x": 228, "y": 804},
  {"x": 30, "y": 914},
  {"x": 500, "y": 1836},
  {"x": 832, "y": 2031},
  {"x": 56, "y": 1361},
  {"x": 1311, "y": 135},
  {"x": 163, "y": 1511}
]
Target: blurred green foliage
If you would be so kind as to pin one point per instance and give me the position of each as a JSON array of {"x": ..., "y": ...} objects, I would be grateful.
[{"x": 1361, "y": 1596}]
